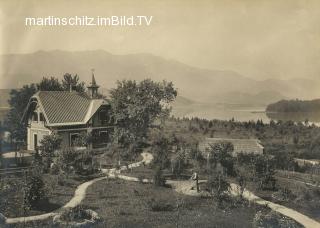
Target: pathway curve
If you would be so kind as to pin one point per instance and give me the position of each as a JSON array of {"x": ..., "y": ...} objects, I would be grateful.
[
  {"x": 188, "y": 188},
  {"x": 80, "y": 192}
]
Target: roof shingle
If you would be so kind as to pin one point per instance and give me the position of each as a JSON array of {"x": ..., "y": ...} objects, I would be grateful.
[
  {"x": 62, "y": 107},
  {"x": 240, "y": 145}
]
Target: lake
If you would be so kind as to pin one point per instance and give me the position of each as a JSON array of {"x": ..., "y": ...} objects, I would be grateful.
[
  {"x": 227, "y": 112},
  {"x": 240, "y": 113}
]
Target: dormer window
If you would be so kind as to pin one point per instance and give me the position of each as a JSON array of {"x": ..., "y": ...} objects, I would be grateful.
[
  {"x": 103, "y": 116},
  {"x": 35, "y": 116},
  {"x": 41, "y": 117}
]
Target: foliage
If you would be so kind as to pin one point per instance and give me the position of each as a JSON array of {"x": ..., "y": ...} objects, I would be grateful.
[
  {"x": 221, "y": 153},
  {"x": 295, "y": 106},
  {"x": 272, "y": 219},
  {"x": 49, "y": 144},
  {"x": 82, "y": 140},
  {"x": 18, "y": 100},
  {"x": 35, "y": 190},
  {"x": 160, "y": 205},
  {"x": 218, "y": 186},
  {"x": 158, "y": 179},
  {"x": 49, "y": 84},
  {"x": 161, "y": 147},
  {"x": 77, "y": 217},
  {"x": 260, "y": 168},
  {"x": 73, "y": 81},
  {"x": 264, "y": 171},
  {"x": 136, "y": 105},
  {"x": 66, "y": 159}
]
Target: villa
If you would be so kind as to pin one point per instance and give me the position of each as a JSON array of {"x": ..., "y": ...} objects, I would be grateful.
[{"x": 69, "y": 114}]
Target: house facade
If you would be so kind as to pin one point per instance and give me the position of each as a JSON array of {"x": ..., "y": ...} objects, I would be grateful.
[{"x": 69, "y": 114}]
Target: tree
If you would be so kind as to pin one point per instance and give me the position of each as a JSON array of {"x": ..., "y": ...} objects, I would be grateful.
[
  {"x": 218, "y": 186},
  {"x": 50, "y": 84},
  {"x": 67, "y": 158},
  {"x": 35, "y": 190},
  {"x": 136, "y": 105},
  {"x": 73, "y": 81},
  {"x": 49, "y": 144},
  {"x": 221, "y": 153},
  {"x": 18, "y": 100},
  {"x": 160, "y": 148}
]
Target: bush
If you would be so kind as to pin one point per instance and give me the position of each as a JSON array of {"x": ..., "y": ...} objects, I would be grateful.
[
  {"x": 158, "y": 179},
  {"x": 35, "y": 190},
  {"x": 49, "y": 144},
  {"x": 160, "y": 205},
  {"x": 272, "y": 219},
  {"x": 218, "y": 186},
  {"x": 283, "y": 194},
  {"x": 77, "y": 217}
]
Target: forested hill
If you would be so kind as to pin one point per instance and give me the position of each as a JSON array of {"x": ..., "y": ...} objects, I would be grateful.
[{"x": 295, "y": 106}]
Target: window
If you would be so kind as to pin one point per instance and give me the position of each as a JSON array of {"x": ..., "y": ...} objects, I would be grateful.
[
  {"x": 35, "y": 116},
  {"x": 74, "y": 138},
  {"x": 41, "y": 116},
  {"x": 104, "y": 136},
  {"x": 103, "y": 116}
]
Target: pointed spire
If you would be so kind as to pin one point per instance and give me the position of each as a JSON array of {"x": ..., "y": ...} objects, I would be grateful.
[
  {"x": 93, "y": 87},
  {"x": 93, "y": 81}
]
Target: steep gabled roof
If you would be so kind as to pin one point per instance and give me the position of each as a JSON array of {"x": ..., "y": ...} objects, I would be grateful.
[
  {"x": 239, "y": 145},
  {"x": 62, "y": 108}
]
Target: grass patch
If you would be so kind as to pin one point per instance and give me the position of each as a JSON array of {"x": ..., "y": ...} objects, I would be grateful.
[
  {"x": 59, "y": 191},
  {"x": 129, "y": 204}
]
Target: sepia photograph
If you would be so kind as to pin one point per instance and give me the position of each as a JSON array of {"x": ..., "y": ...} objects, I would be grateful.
[{"x": 160, "y": 113}]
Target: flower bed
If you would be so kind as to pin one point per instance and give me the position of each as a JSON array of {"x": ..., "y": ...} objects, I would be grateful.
[{"x": 77, "y": 217}]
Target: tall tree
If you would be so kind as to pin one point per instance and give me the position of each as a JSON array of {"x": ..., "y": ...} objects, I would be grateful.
[
  {"x": 73, "y": 82},
  {"x": 18, "y": 101},
  {"x": 50, "y": 84},
  {"x": 136, "y": 105}
]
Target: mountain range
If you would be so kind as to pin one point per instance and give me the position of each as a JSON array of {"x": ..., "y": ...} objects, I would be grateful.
[{"x": 193, "y": 84}]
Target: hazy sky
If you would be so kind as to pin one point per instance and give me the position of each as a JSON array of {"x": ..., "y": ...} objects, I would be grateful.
[{"x": 257, "y": 38}]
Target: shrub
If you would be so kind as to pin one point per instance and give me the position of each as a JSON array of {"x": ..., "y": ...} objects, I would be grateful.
[
  {"x": 283, "y": 194},
  {"x": 272, "y": 219},
  {"x": 218, "y": 186},
  {"x": 35, "y": 190},
  {"x": 160, "y": 205},
  {"x": 158, "y": 179},
  {"x": 49, "y": 144},
  {"x": 77, "y": 217}
]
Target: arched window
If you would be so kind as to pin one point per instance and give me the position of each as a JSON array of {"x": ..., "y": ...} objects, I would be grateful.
[
  {"x": 35, "y": 116},
  {"x": 41, "y": 116}
]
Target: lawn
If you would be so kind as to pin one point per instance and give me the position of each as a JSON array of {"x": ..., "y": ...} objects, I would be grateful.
[
  {"x": 59, "y": 190},
  {"x": 304, "y": 199},
  {"x": 130, "y": 204}
]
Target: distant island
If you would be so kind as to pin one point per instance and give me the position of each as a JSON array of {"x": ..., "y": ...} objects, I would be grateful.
[{"x": 286, "y": 106}]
